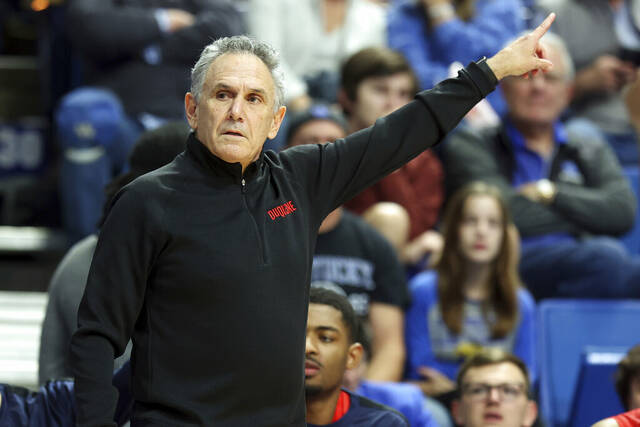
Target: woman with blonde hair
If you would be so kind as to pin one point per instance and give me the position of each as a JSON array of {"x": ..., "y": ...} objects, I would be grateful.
[{"x": 474, "y": 298}]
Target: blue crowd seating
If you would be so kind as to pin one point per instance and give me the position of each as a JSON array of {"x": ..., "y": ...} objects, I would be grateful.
[{"x": 565, "y": 329}]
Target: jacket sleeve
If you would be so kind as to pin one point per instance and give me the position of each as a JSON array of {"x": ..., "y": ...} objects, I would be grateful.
[
  {"x": 334, "y": 173},
  {"x": 407, "y": 33},
  {"x": 493, "y": 25},
  {"x": 129, "y": 241},
  {"x": 467, "y": 159},
  {"x": 214, "y": 19},
  {"x": 605, "y": 194},
  {"x": 103, "y": 31}
]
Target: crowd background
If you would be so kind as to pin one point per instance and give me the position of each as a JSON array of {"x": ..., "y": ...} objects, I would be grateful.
[{"x": 81, "y": 81}]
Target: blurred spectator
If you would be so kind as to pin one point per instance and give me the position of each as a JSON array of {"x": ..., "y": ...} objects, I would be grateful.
[
  {"x": 353, "y": 256},
  {"x": 331, "y": 348},
  {"x": 494, "y": 390},
  {"x": 632, "y": 100},
  {"x": 375, "y": 82},
  {"x": 589, "y": 28},
  {"x": 53, "y": 404},
  {"x": 433, "y": 34},
  {"x": 565, "y": 189},
  {"x": 626, "y": 419},
  {"x": 406, "y": 398},
  {"x": 153, "y": 149},
  {"x": 473, "y": 299},
  {"x": 313, "y": 38},
  {"x": 138, "y": 55}
]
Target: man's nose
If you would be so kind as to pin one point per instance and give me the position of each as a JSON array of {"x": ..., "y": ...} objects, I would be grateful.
[
  {"x": 236, "y": 109},
  {"x": 494, "y": 395},
  {"x": 310, "y": 347}
]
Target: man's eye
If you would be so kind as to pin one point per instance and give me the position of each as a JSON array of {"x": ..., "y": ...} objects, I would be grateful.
[
  {"x": 510, "y": 390},
  {"x": 254, "y": 99},
  {"x": 476, "y": 389},
  {"x": 222, "y": 95},
  {"x": 326, "y": 338}
]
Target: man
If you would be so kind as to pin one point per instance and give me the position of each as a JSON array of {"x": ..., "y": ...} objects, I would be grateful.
[
  {"x": 331, "y": 348},
  {"x": 204, "y": 261},
  {"x": 628, "y": 387},
  {"x": 375, "y": 82},
  {"x": 494, "y": 391},
  {"x": 560, "y": 184},
  {"x": 354, "y": 257}
]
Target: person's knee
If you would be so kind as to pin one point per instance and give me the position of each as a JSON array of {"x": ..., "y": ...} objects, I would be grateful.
[
  {"x": 391, "y": 220},
  {"x": 89, "y": 117}
]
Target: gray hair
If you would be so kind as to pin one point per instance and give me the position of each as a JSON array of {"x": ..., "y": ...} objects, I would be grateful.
[
  {"x": 556, "y": 43},
  {"x": 238, "y": 44}
]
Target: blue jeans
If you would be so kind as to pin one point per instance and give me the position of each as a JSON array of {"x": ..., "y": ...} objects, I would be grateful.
[
  {"x": 95, "y": 137},
  {"x": 598, "y": 267}
]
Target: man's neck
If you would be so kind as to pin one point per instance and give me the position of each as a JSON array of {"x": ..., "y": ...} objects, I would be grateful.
[
  {"x": 537, "y": 138},
  {"x": 331, "y": 221},
  {"x": 321, "y": 407}
]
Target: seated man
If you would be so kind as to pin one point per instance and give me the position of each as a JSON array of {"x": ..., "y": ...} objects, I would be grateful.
[
  {"x": 566, "y": 191},
  {"x": 331, "y": 349},
  {"x": 375, "y": 82},
  {"x": 628, "y": 387},
  {"x": 354, "y": 256},
  {"x": 493, "y": 389}
]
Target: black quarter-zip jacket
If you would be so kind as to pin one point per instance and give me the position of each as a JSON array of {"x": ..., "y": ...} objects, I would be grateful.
[{"x": 208, "y": 270}]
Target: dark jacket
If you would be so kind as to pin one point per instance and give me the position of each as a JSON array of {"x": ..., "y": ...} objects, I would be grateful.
[
  {"x": 603, "y": 203},
  {"x": 208, "y": 270},
  {"x": 112, "y": 36}
]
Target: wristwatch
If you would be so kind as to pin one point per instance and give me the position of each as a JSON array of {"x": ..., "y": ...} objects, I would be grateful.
[{"x": 546, "y": 190}]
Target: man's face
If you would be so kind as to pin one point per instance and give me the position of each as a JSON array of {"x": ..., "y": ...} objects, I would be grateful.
[
  {"x": 539, "y": 100},
  {"x": 235, "y": 114},
  {"x": 317, "y": 132},
  {"x": 634, "y": 393},
  {"x": 481, "y": 229},
  {"x": 328, "y": 350},
  {"x": 494, "y": 395},
  {"x": 379, "y": 96}
]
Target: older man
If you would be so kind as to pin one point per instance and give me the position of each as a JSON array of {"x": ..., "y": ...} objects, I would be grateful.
[
  {"x": 565, "y": 188},
  {"x": 206, "y": 262},
  {"x": 494, "y": 391}
]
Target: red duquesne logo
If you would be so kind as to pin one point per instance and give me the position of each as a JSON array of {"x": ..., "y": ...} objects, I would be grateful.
[{"x": 282, "y": 210}]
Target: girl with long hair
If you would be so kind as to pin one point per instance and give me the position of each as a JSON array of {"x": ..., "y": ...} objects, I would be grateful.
[{"x": 474, "y": 298}]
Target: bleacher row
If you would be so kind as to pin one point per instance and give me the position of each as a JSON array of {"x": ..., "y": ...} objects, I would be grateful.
[{"x": 579, "y": 344}]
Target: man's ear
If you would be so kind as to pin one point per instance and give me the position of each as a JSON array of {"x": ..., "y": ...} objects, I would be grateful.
[
  {"x": 354, "y": 355},
  {"x": 277, "y": 121},
  {"x": 190, "y": 108},
  {"x": 456, "y": 413},
  {"x": 531, "y": 415}
]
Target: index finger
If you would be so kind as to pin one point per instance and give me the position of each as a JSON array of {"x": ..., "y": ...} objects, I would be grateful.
[{"x": 544, "y": 26}]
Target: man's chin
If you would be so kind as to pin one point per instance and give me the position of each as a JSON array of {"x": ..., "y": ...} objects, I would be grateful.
[{"x": 312, "y": 390}]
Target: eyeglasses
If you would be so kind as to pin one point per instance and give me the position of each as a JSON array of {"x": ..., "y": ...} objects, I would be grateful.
[{"x": 506, "y": 391}]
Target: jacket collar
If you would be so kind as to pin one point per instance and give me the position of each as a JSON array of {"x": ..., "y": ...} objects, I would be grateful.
[{"x": 217, "y": 167}]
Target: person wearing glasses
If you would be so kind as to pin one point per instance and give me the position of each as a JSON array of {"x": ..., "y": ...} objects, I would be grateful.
[{"x": 493, "y": 390}]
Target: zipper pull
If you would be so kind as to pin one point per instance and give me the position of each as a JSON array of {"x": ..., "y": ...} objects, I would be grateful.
[{"x": 244, "y": 185}]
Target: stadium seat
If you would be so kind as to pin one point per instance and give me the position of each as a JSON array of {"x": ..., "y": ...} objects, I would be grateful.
[
  {"x": 595, "y": 396},
  {"x": 565, "y": 329}
]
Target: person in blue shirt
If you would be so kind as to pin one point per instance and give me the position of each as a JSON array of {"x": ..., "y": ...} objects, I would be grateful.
[
  {"x": 474, "y": 298},
  {"x": 54, "y": 405},
  {"x": 331, "y": 348},
  {"x": 433, "y": 34}
]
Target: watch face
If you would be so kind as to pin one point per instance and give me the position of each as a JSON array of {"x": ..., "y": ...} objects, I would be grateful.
[{"x": 545, "y": 188}]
